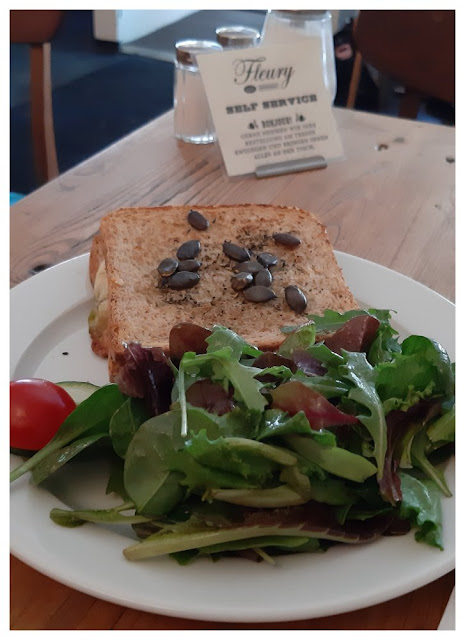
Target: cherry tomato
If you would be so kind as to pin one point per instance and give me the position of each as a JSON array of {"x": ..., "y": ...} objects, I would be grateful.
[{"x": 37, "y": 410}]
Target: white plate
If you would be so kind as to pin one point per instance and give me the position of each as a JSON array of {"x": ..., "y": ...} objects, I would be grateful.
[{"x": 49, "y": 339}]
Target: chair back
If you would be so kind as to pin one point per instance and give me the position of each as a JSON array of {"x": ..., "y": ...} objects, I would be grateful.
[
  {"x": 37, "y": 29},
  {"x": 414, "y": 48},
  {"x": 34, "y": 27}
]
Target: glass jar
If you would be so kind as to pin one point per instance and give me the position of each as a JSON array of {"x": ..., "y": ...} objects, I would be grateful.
[
  {"x": 192, "y": 118},
  {"x": 292, "y": 27},
  {"x": 237, "y": 37}
]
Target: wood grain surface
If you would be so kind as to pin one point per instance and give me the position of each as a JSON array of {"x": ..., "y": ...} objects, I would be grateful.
[{"x": 391, "y": 200}]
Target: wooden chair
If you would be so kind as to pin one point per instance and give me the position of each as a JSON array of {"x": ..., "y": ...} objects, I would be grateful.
[
  {"x": 414, "y": 48},
  {"x": 37, "y": 28}
]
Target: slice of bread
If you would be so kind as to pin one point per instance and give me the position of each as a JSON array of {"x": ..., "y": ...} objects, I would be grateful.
[{"x": 133, "y": 304}]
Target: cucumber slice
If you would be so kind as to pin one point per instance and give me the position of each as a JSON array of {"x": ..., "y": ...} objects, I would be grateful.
[{"x": 79, "y": 391}]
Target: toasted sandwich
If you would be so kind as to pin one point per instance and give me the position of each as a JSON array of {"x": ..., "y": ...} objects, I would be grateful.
[{"x": 139, "y": 258}]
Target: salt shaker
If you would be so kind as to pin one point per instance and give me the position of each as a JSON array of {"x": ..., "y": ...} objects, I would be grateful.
[
  {"x": 292, "y": 27},
  {"x": 237, "y": 37},
  {"x": 192, "y": 118}
]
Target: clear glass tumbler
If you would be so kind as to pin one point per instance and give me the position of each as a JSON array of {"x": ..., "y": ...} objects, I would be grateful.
[
  {"x": 292, "y": 27},
  {"x": 192, "y": 118}
]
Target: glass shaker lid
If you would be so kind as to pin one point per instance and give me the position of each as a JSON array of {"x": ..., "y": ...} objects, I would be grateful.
[
  {"x": 301, "y": 13},
  {"x": 188, "y": 50},
  {"x": 237, "y": 36}
]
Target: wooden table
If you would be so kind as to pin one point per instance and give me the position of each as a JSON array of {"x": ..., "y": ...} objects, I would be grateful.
[{"x": 391, "y": 201}]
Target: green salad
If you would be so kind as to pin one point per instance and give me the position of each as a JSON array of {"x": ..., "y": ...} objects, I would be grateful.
[{"x": 340, "y": 436}]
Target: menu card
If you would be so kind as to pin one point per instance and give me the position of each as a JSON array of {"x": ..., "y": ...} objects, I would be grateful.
[{"x": 270, "y": 105}]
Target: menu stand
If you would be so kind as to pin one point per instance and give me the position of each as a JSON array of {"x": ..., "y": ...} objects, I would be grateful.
[{"x": 291, "y": 166}]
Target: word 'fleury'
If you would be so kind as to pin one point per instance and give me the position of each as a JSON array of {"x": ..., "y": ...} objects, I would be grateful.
[{"x": 252, "y": 70}]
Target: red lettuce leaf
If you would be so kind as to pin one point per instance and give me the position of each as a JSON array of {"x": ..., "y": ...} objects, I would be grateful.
[
  {"x": 186, "y": 336},
  {"x": 397, "y": 423},
  {"x": 293, "y": 397},
  {"x": 211, "y": 396},
  {"x": 307, "y": 363},
  {"x": 357, "y": 334},
  {"x": 320, "y": 520},
  {"x": 146, "y": 373}
]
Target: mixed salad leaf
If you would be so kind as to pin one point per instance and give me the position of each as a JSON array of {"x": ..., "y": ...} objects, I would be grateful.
[{"x": 341, "y": 436}]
